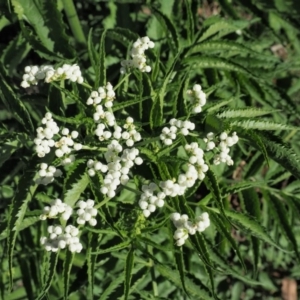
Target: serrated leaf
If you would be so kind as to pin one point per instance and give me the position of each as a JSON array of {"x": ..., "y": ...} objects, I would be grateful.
[
  {"x": 281, "y": 154},
  {"x": 14, "y": 53},
  {"x": 180, "y": 267},
  {"x": 46, "y": 20},
  {"x": 194, "y": 290},
  {"x": 123, "y": 104},
  {"x": 212, "y": 184},
  {"x": 223, "y": 27},
  {"x": 190, "y": 21},
  {"x": 122, "y": 35},
  {"x": 244, "y": 113},
  {"x": 261, "y": 125},
  {"x": 77, "y": 188},
  {"x": 251, "y": 205},
  {"x": 251, "y": 226},
  {"x": 25, "y": 191},
  {"x": 13, "y": 103},
  {"x": 153, "y": 244},
  {"x": 169, "y": 28},
  {"x": 113, "y": 248},
  {"x": 156, "y": 113},
  {"x": 281, "y": 218},
  {"x": 224, "y": 231},
  {"x": 50, "y": 275},
  {"x": 66, "y": 272},
  {"x": 128, "y": 271},
  {"x": 100, "y": 69},
  {"x": 202, "y": 62}
]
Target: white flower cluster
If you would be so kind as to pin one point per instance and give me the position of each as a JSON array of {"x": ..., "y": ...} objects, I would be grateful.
[
  {"x": 47, "y": 174},
  {"x": 224, "y": 142},
  {"x": 118, "y": 167},
  {"x": 66, "y": 142},
  {"x": 48, "y": 73},
  {"x": 57, "y": 208},
  {"x": 86, "y": 212},
  {"x": 186, "y": 227},
  {"x": 137, "y": 53},
  {"x": 177, "y": 126},
  {"x": 153, "y": 195},
  {"x": 94, "y": 165},
  {"x": 197, "y": 98},
  {"x": 105, "y": 95},
  {"x": 60, "y": 239},
  {"x": 130, "y": 135},
  {"x": 197, "y": 166},
  {"x": 44, "y": 140},
  {"x": 151, "y": 198}
]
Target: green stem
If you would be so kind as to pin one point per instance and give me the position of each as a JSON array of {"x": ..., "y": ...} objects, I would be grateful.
[
  {"x": 152, "y": 272},
  {"x": 74, "y": 22}
]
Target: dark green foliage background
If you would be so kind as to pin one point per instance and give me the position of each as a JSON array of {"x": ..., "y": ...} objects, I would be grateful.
[{"x": 245, "y": 54}]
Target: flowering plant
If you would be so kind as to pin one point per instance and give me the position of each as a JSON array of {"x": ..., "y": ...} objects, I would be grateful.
[{"x": 131, "y": 162}]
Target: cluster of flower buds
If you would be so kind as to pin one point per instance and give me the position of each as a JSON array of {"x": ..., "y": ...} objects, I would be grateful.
[
  {"x": 106, "y": 117},
  {"x": 57, "y": 208},
  {"x": 151, "y": 198},
  {"x": 105, "y": 95},
  {"x": 137, "y": 53},
  {"x": 44, "y": 140},
  {"x": 186, "y": 227},
  {"x": 47, "y": 174},
  {"x": 66, "y": 142},
  {"x": 197, "y": 165},
  {"x": 94, "y": 166},
  {"x": 197, "y": 98},
  {"x": 177, "y": 126},
  {"x": 222, "y": 144},
  {"x": 86, "y": 212},
  {"x": 118, "y": 167},
  {"x": 48, "y": 73},
  {"x": 60, "y": 238}
]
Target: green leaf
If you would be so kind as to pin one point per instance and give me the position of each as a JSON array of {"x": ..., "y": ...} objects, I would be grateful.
[
  {"x": 113, "y": 248},
  {"x": 212, "y": 184},
  {"x": 14, "y": 53},
  {"x": 206, "y": 62},
  {"x": 128, "y": 271},
  {"x": 227, "y": 269},
  {"x": 223, "y": 27},
  {"x": 77, "y": 188},
  {"x": 153, "y": 244},
  {"x": 190, "y": 20},
  {"x": 251, "y": 226},
  {"x": 262, "y": 125},
  {"x": 200, "y": 292},
  {"x": 180, "y": 267},
  {"x": 24, "y": 194},
  {"x": 66, "y": 272},
  {"x": 50, "y": 274},
  {"x": 168, "y": 27},
  {"x": 281, "y": 217},
  {"x": 281, "y": 154},
  {"x": 156, "y": 113},
  {"x": 123, "y": 104},
  {"x": 224, "y": 231},
  {"x": 244, "y": 113},
  {"x": 122, "y": 35},
  {"x": 251, "y": 205},
  {"x": 13, "y": 104},
  {"x": 7, "y": 149},
  {"x": 99, "y": 68},
  {"x": 46, "y": 20}
]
